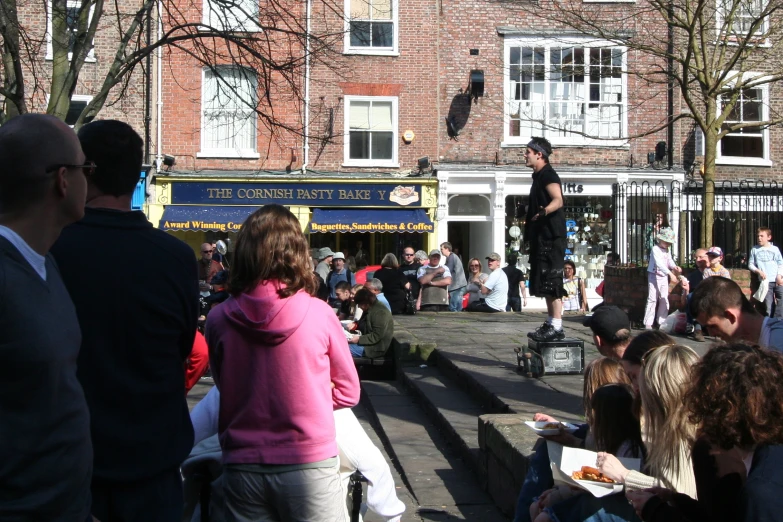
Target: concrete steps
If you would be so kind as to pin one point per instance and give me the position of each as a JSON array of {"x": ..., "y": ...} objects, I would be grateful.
[{"x": 435, "y": 472}]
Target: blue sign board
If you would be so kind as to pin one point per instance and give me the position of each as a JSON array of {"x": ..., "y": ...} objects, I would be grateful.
[{"x": 304, "y": 194}]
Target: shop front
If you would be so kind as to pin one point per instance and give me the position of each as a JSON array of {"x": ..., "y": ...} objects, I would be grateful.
[
  {"x": 484, "y": 211},
  {"x": 362, "y": 218}
]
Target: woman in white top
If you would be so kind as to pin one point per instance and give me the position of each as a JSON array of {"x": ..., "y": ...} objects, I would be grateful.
[
  {"x": 576, "y": 300},
  {"x": 475, "y": 278}
]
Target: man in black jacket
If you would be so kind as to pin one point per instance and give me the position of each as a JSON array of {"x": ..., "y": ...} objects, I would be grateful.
[{"x": 138, "y": 320}]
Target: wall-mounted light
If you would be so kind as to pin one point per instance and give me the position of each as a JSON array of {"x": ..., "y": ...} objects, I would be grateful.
[{"x": 169, "y": 161}]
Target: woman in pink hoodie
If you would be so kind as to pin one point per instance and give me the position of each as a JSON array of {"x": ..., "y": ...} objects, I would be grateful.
[{"x": 282, "y": 364}]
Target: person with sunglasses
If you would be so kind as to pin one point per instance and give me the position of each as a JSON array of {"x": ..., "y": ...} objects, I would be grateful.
[
  {"x": 46, "y": 453},
  {"x": 207, "y": 268},
  {"x": 138, "y": 320}
]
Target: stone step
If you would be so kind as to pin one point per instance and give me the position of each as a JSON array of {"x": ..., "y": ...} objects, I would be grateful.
[
  {"x": 442, "y": 483},
  {"x": 453, "y": 410}
]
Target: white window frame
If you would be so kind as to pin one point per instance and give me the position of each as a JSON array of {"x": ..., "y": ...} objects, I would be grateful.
[
  {"x": 49, "y": 51},
  {"x": 765, "y": 161},
  {"x": 207, "y": 19},
  {"x": 561, "y": 141},
  {"x": 764, "y": 29},
  {"x": 74, "y": 98},
  {"x": 376, "y": 51},
  {"x": 347, "y": 161},
  {"x": 206, "y": 152}
]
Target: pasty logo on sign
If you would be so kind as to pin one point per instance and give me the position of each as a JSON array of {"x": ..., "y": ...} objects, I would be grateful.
[{"x": 404, "y": 195}]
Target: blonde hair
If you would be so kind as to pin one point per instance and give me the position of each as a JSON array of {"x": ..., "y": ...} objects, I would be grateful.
[
  {"x": 600, "y": 372},
  {"x": 666, "y": 373},
  {"x": 390, "y": 261}
]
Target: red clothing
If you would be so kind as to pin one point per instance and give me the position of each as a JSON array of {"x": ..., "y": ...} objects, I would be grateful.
[
  {"x": 282, "y": 367},
  {"x": 205, "y": 274},
  {"x": 197, "y": 362}
]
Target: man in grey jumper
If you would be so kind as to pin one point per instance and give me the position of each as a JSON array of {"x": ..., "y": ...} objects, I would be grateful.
[
  {"x": 459, "y": 284},
  {"x": 46, "y": 453}
]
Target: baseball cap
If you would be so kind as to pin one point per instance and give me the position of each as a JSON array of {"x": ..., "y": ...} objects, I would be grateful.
[
  {"x": 715, "y": 251},
  {"x": 339, "y": 255},
  {"x": 494, "y": 256},
  {"x": 435, "y": 252},
  {"x": 607, "y": 320},
  {"x": 325, "y": 252}
]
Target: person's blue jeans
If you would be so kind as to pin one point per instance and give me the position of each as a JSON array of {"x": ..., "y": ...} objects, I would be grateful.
[
  {"x": 774, "y": 292},
  {"x": 538, "y": 478},
  {"x": 514, "y": 304},
  {"x": 455, "y": 299},
  {"x": 356, "y": 350}
]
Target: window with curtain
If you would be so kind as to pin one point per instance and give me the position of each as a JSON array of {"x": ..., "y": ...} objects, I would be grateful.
[
  {"x": 229, "y": 98},
  {"x": 231, "y": 15},
  {"x": 567, "y": 93},
  {"x": 371, "y": 26},
  {"x": 372, "y": 130}
]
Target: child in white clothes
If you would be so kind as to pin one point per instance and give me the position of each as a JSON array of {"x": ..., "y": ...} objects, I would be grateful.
[{"x": 659, "y": 272}]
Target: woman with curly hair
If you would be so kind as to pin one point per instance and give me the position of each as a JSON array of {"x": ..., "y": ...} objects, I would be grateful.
[{"x": 736, "y": 398}]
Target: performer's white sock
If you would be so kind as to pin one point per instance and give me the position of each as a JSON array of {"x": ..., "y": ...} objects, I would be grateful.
[{"x": 557, "y": 324}]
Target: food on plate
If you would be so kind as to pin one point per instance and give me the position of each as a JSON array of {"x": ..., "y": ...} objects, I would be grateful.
[
  {"x": 552, "y": 426},
  {"x": 588, "y": 473}
]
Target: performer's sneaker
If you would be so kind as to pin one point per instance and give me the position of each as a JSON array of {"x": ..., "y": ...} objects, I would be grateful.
[
  {"x": 550, "y": 335},
  {"x": 538, "y": 331}
]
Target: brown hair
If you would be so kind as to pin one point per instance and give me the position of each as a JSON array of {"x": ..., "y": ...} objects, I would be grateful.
[
  {"x": 390, "y": 261},
  {"x": 768, "y": 231},
  {"x": 364, "y": 296},
  {"x": 271, "y": 247},
  {"x": 599, "y": 372},
  {"x": 614, "y": 422},
  {"x": 643, "y": 343},
  {"x": 715, "y": 295},
  {"x": 736, "y": 396}
]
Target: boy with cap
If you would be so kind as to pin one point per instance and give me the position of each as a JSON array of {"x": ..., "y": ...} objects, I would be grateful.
[
  {"x": 494, "y": 288},
  {"x": 611, "y": 331},
  {"x": 715, "y": 255},
  {"x": 324, "y": 262},
  {"x": 435, "y": 281},
  {"x": 660, "y": 270}
]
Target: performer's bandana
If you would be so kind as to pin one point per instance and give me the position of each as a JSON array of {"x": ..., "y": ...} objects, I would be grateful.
[{"x": 538, "y": 148}]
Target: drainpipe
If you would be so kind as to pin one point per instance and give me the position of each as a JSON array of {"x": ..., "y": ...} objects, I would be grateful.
[
  {"x": 306, "y": 145},
  {"x": 148, "y": 91},
  {"x": 670, "y": 93},
  {"x": 159, "y": 87}
]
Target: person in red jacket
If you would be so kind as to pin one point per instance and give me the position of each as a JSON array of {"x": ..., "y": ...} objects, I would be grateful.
[{"x": 197, "y": 363}]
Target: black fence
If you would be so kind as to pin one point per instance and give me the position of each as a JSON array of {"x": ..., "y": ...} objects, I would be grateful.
[
  {"x": 740, "y": 209},
  {"x": 640, "y": 209}
]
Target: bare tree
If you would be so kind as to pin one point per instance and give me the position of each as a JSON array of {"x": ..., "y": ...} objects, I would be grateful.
[
  {"x": 718, "y": 56},
  {"x": 270, "y": 38}
]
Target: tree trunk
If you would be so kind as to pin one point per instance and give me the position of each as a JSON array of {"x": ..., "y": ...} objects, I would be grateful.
[{"x": 708, "y": 193}]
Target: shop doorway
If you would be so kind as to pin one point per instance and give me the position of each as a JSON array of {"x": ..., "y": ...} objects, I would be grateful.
[{"x": 471, "y": 239}]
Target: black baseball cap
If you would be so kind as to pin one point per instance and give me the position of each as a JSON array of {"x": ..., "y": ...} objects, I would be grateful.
[{"x": 607, "y": 320}]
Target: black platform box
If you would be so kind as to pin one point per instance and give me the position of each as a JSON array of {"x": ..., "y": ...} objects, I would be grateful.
[{"x": 566, "y": 356}]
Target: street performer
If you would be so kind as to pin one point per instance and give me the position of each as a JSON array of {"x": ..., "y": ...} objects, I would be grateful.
[{"x": 545, "y": 231}]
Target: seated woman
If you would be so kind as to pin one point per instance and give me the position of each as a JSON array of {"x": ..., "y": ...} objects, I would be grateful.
[
  {"x": 576, "y": 300},
  {"x": 475, "y": 278},
  {"x": 379, "y": 327},
  {"x": 395, "y": 285},
  {"x": 615, "y": 429},
  {"x": 599, "y": 372},
  {"x": 735, "y": 397},
  {"x": 665, "y": 375}
]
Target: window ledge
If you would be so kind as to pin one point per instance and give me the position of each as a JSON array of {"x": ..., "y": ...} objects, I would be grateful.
[
  {"x": 370, "y": 52},
  {"x": 733, "y": 160},
  {"x": 609, "y": 144},
  {"x": 90, "y": 58},
  {"x": 371, "y": 165},
  {"x": 228, "y": 154}
]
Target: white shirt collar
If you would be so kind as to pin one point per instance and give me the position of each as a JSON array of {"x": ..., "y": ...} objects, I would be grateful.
[{"x": 36, "y": 260}]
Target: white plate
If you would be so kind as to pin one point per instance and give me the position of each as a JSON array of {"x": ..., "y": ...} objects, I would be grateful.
[
  {"x": 596, "y": 483},
  {"x": 538, "y": 427},
  {"x": 346, "y": 323}
]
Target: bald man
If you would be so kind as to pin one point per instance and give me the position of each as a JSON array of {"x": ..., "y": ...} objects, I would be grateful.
[
  {"x": 45, "y": 448},
  {"x": 207, "y": 267}
]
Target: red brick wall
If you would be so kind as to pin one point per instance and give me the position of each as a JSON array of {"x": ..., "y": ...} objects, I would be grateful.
[{"x": 125, "y": 103}]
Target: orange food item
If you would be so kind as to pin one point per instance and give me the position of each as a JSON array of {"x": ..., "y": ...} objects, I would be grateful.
[{"x": 588, "y": 473}]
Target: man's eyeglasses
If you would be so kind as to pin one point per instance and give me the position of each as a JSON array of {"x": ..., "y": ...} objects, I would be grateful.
[
  {"x": 408, "y": 255},
  {"x": 207, "y": 251},
  {"x": 88, "y": 168}
]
